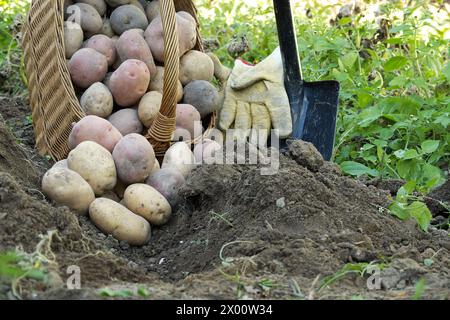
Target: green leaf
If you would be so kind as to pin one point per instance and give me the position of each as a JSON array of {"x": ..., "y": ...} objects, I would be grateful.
[
  {"x": 349, "y": 59},
  {"x": 398, "y": 210},
  {"x": 345, "y": 20},
  {"x": 428, "y": 262},
  {"x": 395, "y": 63},
  {"x": 399, "y": 81},
  {"x": 406, "y": 154},
  {"x": 429, "y": 146},
  {"x": 421, "y": 213},
  {"x": 408, "y": 169},
  {"x": 419, "y": 289},
  {"x": 357, "y": 169}
]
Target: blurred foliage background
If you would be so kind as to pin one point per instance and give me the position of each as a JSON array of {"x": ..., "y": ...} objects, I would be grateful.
[{"x": 391, "y": 58}]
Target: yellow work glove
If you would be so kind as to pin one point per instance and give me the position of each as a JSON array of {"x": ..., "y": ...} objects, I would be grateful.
[{"x": 255, "y": 98}]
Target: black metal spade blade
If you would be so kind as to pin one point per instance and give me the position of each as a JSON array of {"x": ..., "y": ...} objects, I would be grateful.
[{"x": 314, "y": 105}]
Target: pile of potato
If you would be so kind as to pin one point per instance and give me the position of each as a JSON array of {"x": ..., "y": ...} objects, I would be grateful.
[{"x": 115, "y": 52}]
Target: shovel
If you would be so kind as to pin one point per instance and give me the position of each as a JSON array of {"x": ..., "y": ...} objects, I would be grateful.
[{"x": 314, "y": 105}]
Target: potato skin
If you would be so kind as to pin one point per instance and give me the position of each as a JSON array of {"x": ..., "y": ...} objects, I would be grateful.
[
  {"x": 126, "y": 121},
  {"x": 134, "y": 158},
  {"x": 148, "y": 203},
  {"x": 157, "y": 83},
  {"x": 189, "y": 118},
  {"x": 203, "y": 96},
  {"x": 97, "y": 100},
  {"x": 86, "y": 67},
  {"x": 98, "y": 5},
  {"x": 149, "y": 107},
  {"x": 61, "y": 164},
  {"x": 187, "y": 35},
  {"x": 129, "y": 82},
  {"x": 168, "y": 182},
  {"x": 95, "y": 164},
  {"x": 90, "y": 20},
  {"x": 103, "y": 45},
  {"x": 73, "y": 38},
  {"x": 128, "y": 17},
  {"x": 68, "y": 188},
  {"x": 94, "y": 128},
  {"x": 179, "y": 156},
  {"x": 131, "y": 45},
  {"x": 152, "y": 10},
  {"x": 115, "y": 219},
  {"x": 196, "y": 65},
  {"x": 116, "y": 3}
]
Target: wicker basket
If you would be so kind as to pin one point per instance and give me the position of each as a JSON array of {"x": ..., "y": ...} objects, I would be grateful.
[{"x": 53, "y": 100}]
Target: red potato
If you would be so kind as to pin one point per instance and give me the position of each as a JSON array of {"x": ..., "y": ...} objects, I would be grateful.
[
  {"x": 126, "y": 121},
  {"x": 87, "y": 67},
  {"x": 94, "y": 128},
  {"x": 88, "y": 17},
  {"x": 168, "y": 182},
  {"x": 134, "y": 158},
  {"x": 131, "y": 45},
  {"x": 129, "y": 82},
  {"x": 187, "y": 35},
  {"x": 188, "y": 118},
  {"x": 103, "y": 45}
]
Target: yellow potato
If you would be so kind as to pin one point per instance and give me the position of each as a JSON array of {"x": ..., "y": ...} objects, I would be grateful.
[
  {"x": 66, "y": 187},
  {"x": 95, "y": 164},
  {"x": 147, "y": 202},
  {"x": 149, "y": 107},
  {"x": 114, "y": 219}
]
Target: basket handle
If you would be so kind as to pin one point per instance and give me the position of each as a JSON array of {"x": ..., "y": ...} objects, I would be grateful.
[{"x": 160, "y": 133}]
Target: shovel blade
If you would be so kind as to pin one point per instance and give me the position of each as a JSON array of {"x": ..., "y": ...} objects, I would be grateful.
[{"x": 314, "y": 115}]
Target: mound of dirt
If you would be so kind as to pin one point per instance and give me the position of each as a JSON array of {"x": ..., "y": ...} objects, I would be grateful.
[{"x": 237, "y": 233}]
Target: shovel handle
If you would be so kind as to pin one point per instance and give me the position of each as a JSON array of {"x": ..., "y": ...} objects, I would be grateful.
[{"x": 288, "y": 44}]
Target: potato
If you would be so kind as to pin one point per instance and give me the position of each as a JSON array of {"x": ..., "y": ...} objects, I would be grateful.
[
  {"x": 149, "y": 107},
  {"x": 179, "y": 156},
  {"x": 129, "y": 82},
  {"x": 115, "y": 219},
  {"x": 128, "y": 17},
  {"x": 103, "y": 45},
  {"x": 107, "y": 29},
  {"x": 90, "y": 20},
  {"x": 152, "y": 10},
  {"x": 61, "y": 164},
  {"x": 116, "y": 3},
  {"x": 196, "y": 65},
  {"x": 99, "y": 5},
  {"x": 126, "y": 121},
  {"x": 95, "y": 164},
  {"x": 112, "y": 196},
  {"x": 203, "y": 96},
  {"x": 73, "y": 38},
  {"x": 187, "y": 35},
  {"x": 86, "y": 67},
  {"x": 66, "y": 187},
  {"x": 147, "y": 202},
  {"x": 157, "y": 83},
  {"x": 137, "y": 4},
  {"x": 94, "y": 128},
  {"x": 156, "y": 167},
  {"x": 205, "y": 152},
  {"x": 189, "y": 118},
  {"x": 168, "y": 182},
  {"x": 134, "y": 158},
  {"x": 97, "y": 100},
  {"x": 131, "y": 45}
]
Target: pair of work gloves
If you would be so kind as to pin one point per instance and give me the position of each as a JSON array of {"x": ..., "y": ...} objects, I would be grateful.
[{"x": 255, "y": 99}]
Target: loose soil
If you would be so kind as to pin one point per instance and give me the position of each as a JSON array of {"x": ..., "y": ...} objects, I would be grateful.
[{"x": 236, "y": 233}]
